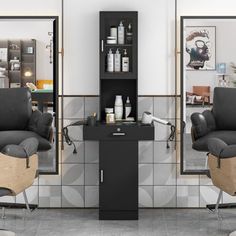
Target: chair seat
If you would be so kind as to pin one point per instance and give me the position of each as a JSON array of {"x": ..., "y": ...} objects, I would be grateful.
[
  {"x": 228, "y": 136},
  {"x": 17, "y": 136}
]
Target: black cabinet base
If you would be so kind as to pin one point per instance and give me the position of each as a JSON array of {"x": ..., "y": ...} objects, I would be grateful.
[{"x": 118, "y": 215}]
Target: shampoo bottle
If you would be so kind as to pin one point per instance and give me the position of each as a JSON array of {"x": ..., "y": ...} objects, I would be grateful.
[
  {"x": 117, "y": 61},
  {"x": 110, "y": 61},
  {"x": 121, "y": 33},
  {"x": 118, "y": 107},
  {"x": 127, "y": 108},
  {"x": 125, "y": 62}
]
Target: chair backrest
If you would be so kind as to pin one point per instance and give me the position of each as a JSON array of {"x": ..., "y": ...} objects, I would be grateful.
[
  {"x": 15, "y": 108},
  {"x": 224, "y": 108}
]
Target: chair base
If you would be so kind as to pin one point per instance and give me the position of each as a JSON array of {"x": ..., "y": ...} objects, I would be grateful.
[
  {"x": 221, "y": 206},
  {"x": 18, "y": 205}
]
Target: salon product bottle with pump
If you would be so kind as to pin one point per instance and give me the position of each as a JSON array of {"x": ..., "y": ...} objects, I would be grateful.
[
  {"x": 129, "y": 34},
  {"x": 110, "y": 61},
  {"x": 121, "y": 33},
  {"x": 127, "y": 108},
  {"x": 125, "y": 62},
  {"x": 117, "y": 61}
]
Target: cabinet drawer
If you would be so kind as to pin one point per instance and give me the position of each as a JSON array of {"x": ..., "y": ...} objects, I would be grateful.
[{"x": 118, "y": 132}]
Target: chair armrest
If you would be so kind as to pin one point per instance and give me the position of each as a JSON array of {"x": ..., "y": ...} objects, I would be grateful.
[
  {"x": 219, "y": 148},
  {"x": 40, "y": 123},
  {"x": 202, "y": 123}
]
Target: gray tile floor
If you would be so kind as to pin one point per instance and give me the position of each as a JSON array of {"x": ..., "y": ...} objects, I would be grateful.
[{"x": 158, "y": 222}]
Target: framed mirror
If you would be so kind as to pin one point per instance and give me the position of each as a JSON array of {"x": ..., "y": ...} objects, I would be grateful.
[
  {"x": 208, "y": 61},
  {"x": 29, "y": 58}
]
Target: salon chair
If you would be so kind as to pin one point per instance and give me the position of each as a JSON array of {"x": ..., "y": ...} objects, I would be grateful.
[
  {"x": 220, "y": 122},
  {"x": 18, "y": 168},
  {"x": 222, "y": 169},
  {"x": 18, "y": 121}
]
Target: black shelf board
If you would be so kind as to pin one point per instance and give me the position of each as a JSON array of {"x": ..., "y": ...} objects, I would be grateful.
[
  {"x": 115, "y": 78},
  {"x": 118, "y": 45}
]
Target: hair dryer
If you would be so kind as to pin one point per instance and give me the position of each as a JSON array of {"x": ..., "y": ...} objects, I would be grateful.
[{"x": 148, "y": 118}]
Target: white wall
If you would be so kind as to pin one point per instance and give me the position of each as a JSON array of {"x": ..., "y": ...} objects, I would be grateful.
[
  {"x": 30, "y": 7},
  {"x": 32, "y": 29},
  {"x": 206, "y": 7},
  {"x": 155, "y": 44}
]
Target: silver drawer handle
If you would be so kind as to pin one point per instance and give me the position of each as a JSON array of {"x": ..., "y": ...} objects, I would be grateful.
[
  {"x": 118, "y": 134},
  {"x": 101, "y": 176},
  {"x": 102, "y": 45}
]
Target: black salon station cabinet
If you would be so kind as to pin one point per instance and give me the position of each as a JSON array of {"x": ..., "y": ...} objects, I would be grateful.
[{"x": 118, "y": 142}]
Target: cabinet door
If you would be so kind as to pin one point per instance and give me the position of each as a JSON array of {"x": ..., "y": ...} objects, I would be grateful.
[
  {"x": 113, "y": 19},
  {"x": 118, "y": 175}
]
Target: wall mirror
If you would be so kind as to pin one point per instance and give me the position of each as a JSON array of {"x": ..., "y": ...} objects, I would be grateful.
[
  {"x": 28, "y": 57},
  {"x": 208, "y": 60}
]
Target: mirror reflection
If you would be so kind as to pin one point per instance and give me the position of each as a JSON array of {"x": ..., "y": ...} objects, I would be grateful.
[
  {"x": 208, "y": 62},
  {"x": 27, "y": 60}
]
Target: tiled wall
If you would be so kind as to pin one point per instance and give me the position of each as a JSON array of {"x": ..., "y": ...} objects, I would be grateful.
[{"x": 160, "y": 182}]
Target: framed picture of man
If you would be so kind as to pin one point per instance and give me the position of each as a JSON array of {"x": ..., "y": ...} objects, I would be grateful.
[{"x": 200, "y": 48}]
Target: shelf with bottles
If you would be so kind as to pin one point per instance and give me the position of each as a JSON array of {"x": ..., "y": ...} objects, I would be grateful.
[
  {"x": 118, "y": 61},
  {"x": 110, "y": 89},
  {"x": 119, "y": 31},
  {"x": 118, "y": 45}
]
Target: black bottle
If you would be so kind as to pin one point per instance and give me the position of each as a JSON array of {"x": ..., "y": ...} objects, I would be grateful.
[{"x": 129, "y": 34}]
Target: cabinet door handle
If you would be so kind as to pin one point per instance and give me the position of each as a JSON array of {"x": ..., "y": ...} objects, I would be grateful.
[
  {"x": 101, "y": 176},
  {"x": 118, "y": 134},
  {"x": 102, "y": 45}
]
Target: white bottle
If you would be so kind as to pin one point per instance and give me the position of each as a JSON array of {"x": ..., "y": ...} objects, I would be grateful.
[
  {"x": 118, "y": 107},
  {"x": 127, "y": 108},
  {"x": 117, "y": 61},
  {"x": 110, "y": 61},
  {"x": 125, "y": 62},
  {"x": 121, "y": 33}
]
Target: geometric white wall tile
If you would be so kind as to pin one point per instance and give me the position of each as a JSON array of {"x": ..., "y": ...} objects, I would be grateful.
[
  {"x": 164, "y": 174},
  {"x": 187, "y": 196},
  {"x": 72, "y": 174},
  {"x": 68, "y": 155},
  {"x": 49, "y": 196},
  {"x": 146, "y": 152},
  {"x": 162, "y": 154},
  {"x": 91, "y": 196},
  {"x": 73, "y": 107},
  {"x": 145, "y": 174},
  {"x": 145, "y": 196},
  {"x": 72, "y": 196},
  {"x": 91, "y": 174},
  {"x": 91, "y": 151},
  {"x": 164, "y": 196}
]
